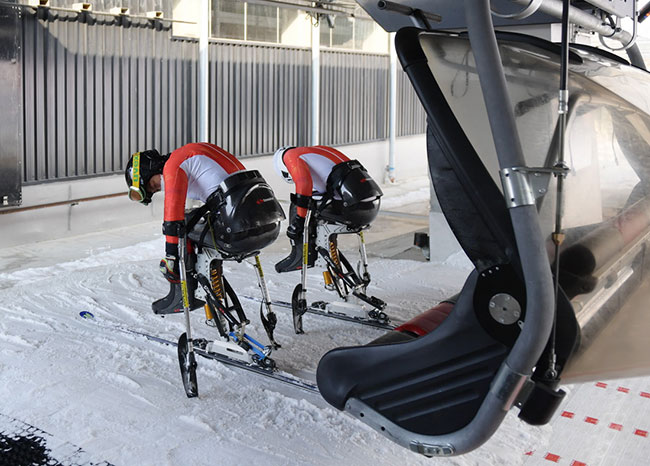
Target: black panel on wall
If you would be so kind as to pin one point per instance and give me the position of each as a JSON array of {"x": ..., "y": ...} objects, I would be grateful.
[{"x": 10, "y": 99}]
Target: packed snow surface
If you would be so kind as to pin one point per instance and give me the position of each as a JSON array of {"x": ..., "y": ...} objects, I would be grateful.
[{"x": 120, "y": 396}]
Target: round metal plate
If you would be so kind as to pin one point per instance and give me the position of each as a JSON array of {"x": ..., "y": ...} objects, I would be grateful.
[{"x": 504, "y": 308}]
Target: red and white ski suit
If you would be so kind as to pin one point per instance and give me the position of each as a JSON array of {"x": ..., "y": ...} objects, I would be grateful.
[
  {"x": 194, "y": 171},
  {"x": 309, "y": 168}
]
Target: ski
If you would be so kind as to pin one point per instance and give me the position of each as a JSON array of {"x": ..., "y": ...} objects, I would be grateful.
[
  {"x": 270, "y": 372},
  {"x": 318, "y": 308}
]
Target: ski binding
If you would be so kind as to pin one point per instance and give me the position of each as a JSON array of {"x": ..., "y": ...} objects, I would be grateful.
[
  {"x": 354, "y": 311},
  {"x": 243, "y": 349}
]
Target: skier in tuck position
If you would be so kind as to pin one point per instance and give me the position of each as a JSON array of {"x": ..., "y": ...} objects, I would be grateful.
[
  {"x": 334, "y": 195},
  {"x": 240, "y": 216},
  {"x": 308, "y": 168}
]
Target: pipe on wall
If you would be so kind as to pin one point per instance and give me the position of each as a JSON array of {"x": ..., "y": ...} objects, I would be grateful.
[
  {"x": 204, "y": 70},
  {"x": 315, "y": 83},
  {"x": 392, "y": 111}
]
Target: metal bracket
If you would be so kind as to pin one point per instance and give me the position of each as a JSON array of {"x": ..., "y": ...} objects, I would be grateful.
[
  {"x": 432, "y": 450},
  {"x": 523, "y": 185},
  {"x": 507, "y": 385}
]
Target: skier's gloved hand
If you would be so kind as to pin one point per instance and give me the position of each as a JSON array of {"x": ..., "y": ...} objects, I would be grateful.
[
  {"x": 169, "y": 268},
  {"x": 294, "y": 231},
  {"x": 169, "y": 264}
]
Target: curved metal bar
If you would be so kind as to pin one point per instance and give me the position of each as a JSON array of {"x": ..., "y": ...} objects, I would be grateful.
[
  {"x": 635, "y": 56},
  {"x": 536, "y": 268},
  {"x": 535, "y": 265}
]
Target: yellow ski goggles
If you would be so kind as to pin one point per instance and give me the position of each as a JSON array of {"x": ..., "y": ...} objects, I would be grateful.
[{"x": 136, "y": 192}]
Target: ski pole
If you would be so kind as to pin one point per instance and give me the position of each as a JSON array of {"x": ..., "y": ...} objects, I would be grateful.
[
  {"x": 187, "y": 361},
  {"x": 299, "y": 296},
  {"x": 270, "y": 320},
  {"x": 305, "y": 255},
  {"x": 186, "y": 300},
  {"x": 364, "y": 257}
]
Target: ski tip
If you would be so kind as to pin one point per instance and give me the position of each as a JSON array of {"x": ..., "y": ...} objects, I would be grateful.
[{"x": 87, "y": 315}]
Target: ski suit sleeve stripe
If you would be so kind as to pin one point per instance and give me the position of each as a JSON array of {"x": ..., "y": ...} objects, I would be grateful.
[
  {"x": 299, "y": 171},
  {"x": 228, "y": 161},
  {"x": 333, "y": 154},
  {"x": 175, "y": 189}
]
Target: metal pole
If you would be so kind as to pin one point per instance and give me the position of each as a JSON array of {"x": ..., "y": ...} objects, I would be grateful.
[
  {"x": 315, "y": 80},
  {"x": 204, "y": 72},
  {"x": 581, "y": 18},
  {"x": 558, "y": 235},
  {"x": 392, "y": 110}
]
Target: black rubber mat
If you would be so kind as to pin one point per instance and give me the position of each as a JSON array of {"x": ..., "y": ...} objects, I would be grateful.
[{"x": 22, "y": 444}]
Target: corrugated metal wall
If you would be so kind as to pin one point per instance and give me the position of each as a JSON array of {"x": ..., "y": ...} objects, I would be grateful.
[
  {"x": 95, "y": 92},
  {"x": 354, "y": 97},
  {"x": 411, "y": 118},
  {"x": 259, "y": 97}
]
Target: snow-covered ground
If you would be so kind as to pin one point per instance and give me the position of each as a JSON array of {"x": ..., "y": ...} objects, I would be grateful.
[{"x": 120, "y": 398}]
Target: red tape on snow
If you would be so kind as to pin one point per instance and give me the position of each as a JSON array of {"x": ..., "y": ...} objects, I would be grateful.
[
  {"x": 615, "y": 426},
  {"x": 556, "y": 458},
  {"x": 552, "y": 457}
]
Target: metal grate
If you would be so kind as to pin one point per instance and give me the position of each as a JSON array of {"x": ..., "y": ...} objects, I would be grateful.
[{"x": 24, "y": 444}]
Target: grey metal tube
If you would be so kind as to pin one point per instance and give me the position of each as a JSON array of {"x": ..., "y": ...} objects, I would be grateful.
[
  {"x": 579, "y": 17},
  {"x": 315, "y": 84},
  {"x": 392, "y": 110},
  {"x": 534, "y": 259},
  {"x": 634, "y": 54},
  {"x": 204, "y": 70}
]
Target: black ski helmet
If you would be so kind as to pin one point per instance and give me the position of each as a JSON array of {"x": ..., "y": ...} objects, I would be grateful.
[
  {"x": 353, "y": 196},
  {"x": 245, "y": 214},
  {"x": 141, "y": 167}
]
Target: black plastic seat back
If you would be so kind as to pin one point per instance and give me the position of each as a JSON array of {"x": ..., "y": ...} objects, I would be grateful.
[
  {"x": 243, "y": 216},
  {"x": 352, "y": 197}
]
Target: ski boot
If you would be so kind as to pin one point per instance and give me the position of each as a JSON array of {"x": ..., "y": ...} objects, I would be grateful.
[
  {"x": 294, "y": 260},
  {"x": 173, "y": 302},
  {"x": 295, "y": 233}
]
